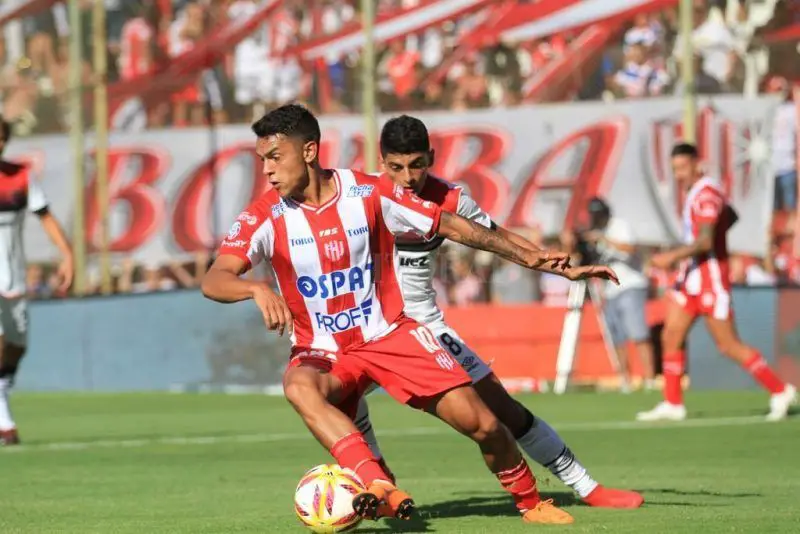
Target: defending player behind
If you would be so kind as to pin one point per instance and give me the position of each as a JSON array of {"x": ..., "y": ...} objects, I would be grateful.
[
  {"x": 329, "y": 235},
  {"x": 407, "y": 159},
  {"x": 21, "y": 193},
  {"x": 703, "y": 288}
]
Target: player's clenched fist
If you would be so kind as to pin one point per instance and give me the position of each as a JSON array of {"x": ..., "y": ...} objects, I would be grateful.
[{"x": 274, "y": 309}]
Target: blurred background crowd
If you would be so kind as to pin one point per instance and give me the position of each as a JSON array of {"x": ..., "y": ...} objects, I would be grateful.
[{"x": 420, "y": 71}]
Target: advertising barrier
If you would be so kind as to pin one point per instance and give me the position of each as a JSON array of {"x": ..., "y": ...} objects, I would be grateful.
[{"x": 181, "y": 342}]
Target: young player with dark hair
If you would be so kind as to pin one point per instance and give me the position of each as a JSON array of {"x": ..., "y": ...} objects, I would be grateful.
[
  {"x": 329, "y": 235},
  {"x": 703, "y": 288},
  {"x": 407, "y": 159}
]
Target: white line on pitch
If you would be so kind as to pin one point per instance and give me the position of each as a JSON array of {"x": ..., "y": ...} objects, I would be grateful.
[{"x": 414, "y": 431}]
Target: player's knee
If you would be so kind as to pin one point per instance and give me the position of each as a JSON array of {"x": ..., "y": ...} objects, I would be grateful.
[
  {"x": 492, "y": 431},
  {"x": 302, "y": 391}
]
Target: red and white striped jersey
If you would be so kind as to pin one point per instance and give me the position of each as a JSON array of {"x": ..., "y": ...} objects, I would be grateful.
[
  {"x": 335, "y": 265},
  {"x": 418, "y": 256},
  {"x": 706, "y": 273}
]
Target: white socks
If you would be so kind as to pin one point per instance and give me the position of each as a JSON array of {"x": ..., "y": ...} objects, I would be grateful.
[
  {"x": 6, "y": 422},
  {"x": 365, "y": 427},
  {"x": 545, "y": 447}
]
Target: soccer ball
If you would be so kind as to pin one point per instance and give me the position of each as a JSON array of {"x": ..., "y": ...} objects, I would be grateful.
[{"x": 324, "y": 499}]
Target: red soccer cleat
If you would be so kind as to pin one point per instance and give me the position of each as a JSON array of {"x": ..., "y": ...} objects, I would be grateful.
[
  {"x": 9, "y": 437},
  {"x": 602, "y": 497}
]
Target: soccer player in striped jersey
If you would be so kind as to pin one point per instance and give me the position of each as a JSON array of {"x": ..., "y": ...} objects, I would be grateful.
[
  {"x": 329, "y": 235},
  {"x": 407, "y": 158},
  {"x": 703, "y": 288}
]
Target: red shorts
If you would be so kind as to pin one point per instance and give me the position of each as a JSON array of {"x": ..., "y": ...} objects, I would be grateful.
[
  {"x": 712, "y": 304},
  {"x": 408, "y": 363}
]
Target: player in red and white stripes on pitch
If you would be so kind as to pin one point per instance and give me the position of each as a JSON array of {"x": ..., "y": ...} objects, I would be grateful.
[
  {"x": 329, "y": 235},
  {"x": 703, "y": 288}
]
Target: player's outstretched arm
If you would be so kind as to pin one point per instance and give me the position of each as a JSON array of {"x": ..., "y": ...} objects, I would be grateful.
[
  {"x": 222, "y": 283},
  {"x": 471, "y": 234},
  {"x": 66, "y": 269},
  {"x": 567, "y": 271}
]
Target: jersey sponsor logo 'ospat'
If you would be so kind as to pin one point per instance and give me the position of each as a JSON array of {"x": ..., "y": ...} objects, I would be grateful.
[{"x": 329, "y": 285}]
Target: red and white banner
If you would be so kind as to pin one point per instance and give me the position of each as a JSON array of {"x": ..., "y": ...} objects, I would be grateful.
[
  {"x": 388, "y": 26},
  {"x": 577, "y": 15},
  {"x": 175, "y": 192}
]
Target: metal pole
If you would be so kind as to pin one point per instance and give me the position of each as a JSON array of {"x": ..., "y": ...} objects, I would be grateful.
[
  {"x": 99, "y": 45},
  {"x": 78, "y": 144},
  {"x": 368, "y": 87},
  {"x": 687, "y": 71}
]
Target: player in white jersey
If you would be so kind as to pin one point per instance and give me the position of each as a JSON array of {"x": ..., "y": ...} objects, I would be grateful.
[
  {"x": 407, "y": 156},
  {"x": 19, "y": 193}
]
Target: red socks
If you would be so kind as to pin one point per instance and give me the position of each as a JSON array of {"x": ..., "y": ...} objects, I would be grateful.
[
  {"x": 674, "y": 363},
  {"x": 673, "y": 367},
  {"x": 521, "y": 484},
  {"x": 760, "y": 371},
  {"x": 353, "y": 453}
]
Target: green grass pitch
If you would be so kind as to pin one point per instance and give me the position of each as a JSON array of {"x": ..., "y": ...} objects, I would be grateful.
[{"x": 154, "y": 463}]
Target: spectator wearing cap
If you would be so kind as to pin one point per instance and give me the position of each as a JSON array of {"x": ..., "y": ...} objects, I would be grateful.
[{"x": 624, "y": 305}]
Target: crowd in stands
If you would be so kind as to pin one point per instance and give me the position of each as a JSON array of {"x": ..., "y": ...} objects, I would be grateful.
[{"x": 144, "y": 35}]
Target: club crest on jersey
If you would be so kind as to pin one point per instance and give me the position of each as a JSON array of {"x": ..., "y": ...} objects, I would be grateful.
[
  {"x": 398, "y": 191},
  {"x": 234, "y": 231},
  {"x": 360, "y": 191},
  {"x": 345, "y": 320},
  {"x": 329, "y": 285},
  {"x": 333, "y": 250}
]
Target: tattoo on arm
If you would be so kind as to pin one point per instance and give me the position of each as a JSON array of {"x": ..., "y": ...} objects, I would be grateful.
[{"x": 474, "y": 235}]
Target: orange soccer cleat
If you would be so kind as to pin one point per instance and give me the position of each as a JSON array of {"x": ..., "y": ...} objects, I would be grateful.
[
  {"x": 546, "y": 513},
  {"x": 382, "y": 499},
  {"x": 602, "y": 497}
]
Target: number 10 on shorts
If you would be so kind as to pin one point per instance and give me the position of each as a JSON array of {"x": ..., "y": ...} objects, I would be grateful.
[{"x": 428, "y": 342}]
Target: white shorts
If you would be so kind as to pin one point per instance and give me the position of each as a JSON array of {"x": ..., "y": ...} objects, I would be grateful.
[
  {"x": 450, "y": 341},
  {"x": 14, "y": 320}
]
